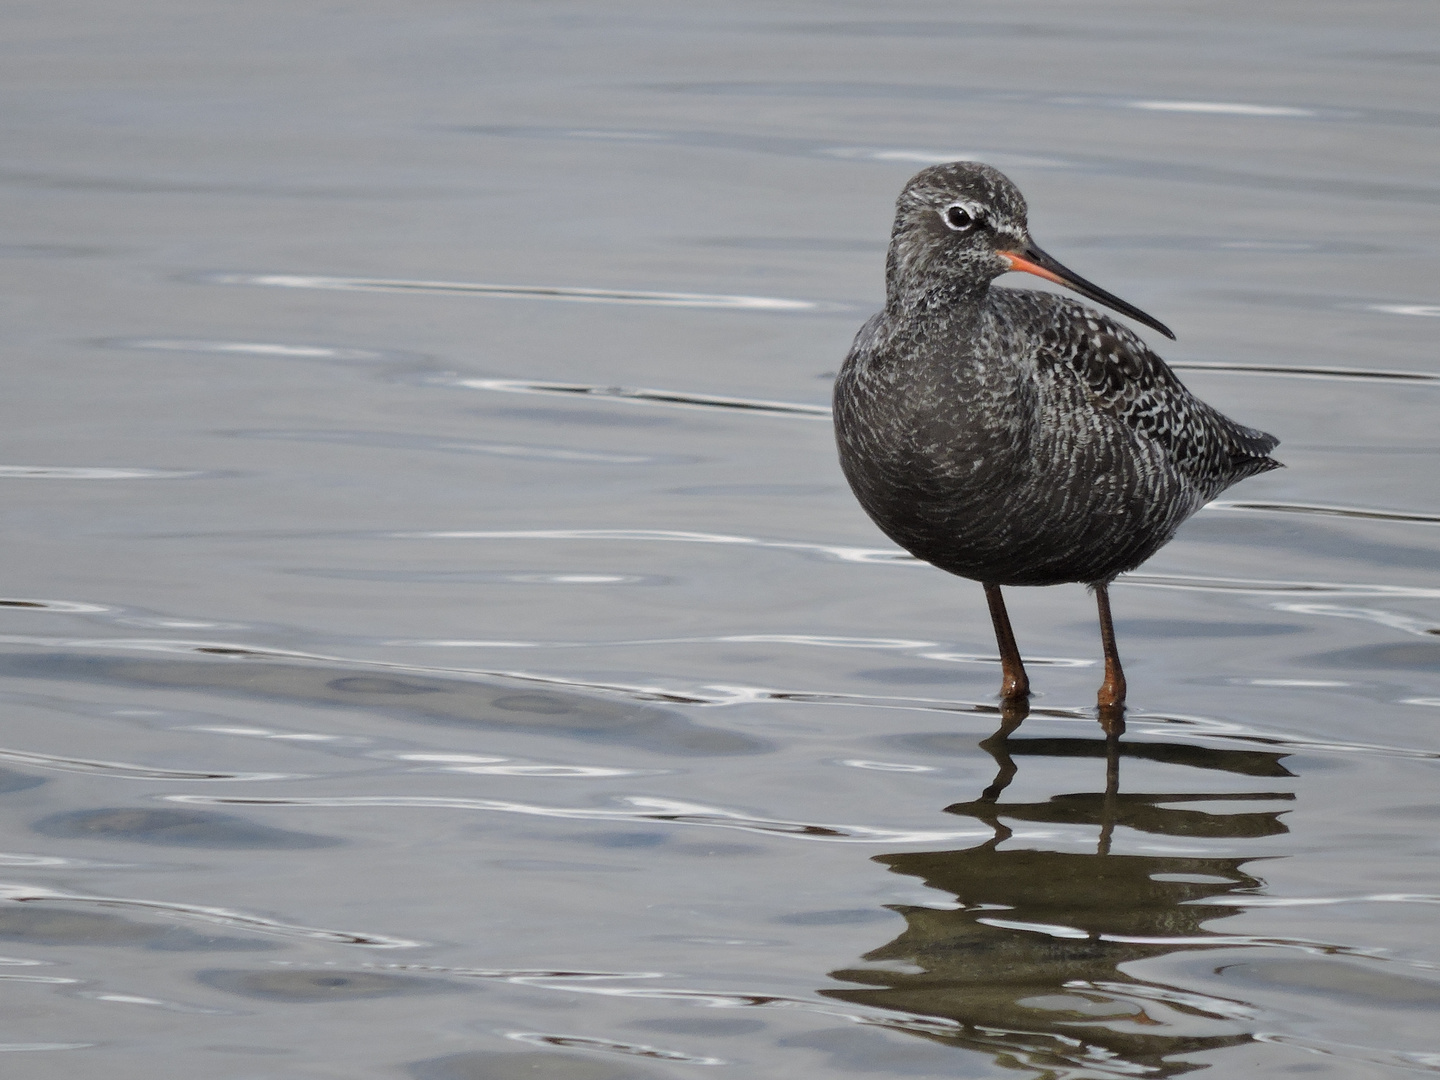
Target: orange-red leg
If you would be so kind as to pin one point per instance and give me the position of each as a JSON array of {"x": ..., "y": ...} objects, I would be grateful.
[
  {"x": 1014, "y": 683},
  {"x": 1112, "y": 691}
]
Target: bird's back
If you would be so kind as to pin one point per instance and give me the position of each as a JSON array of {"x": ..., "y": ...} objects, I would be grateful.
[{"x": 1129, "y": 382}]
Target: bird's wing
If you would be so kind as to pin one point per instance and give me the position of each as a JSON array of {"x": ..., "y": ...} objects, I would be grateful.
[{"x": 1130, "y": 382}]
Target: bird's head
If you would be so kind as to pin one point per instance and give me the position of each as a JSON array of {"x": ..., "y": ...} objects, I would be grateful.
[{"x": 963, "y": 224}]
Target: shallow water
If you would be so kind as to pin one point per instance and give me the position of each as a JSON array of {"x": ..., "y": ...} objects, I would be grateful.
[{"x": 436, "y": 639}]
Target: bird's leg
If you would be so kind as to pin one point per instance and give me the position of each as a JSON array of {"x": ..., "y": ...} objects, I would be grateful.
[
  {"x": 1111, "y": 698},
  {"x": 1014, "y": 683}
]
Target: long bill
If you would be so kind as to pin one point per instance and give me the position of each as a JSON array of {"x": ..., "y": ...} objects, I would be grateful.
[{"x": 1032, "y": 260}]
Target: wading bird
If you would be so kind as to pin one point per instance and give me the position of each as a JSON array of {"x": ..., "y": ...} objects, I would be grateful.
[{"x": 1017, "y": 437}]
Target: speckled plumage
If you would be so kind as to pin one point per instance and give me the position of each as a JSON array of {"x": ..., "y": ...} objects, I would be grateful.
[{"x": 1010, "y": 436}]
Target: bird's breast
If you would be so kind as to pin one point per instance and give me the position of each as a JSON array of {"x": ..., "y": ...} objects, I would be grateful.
[{"x": 933, "y": 433}]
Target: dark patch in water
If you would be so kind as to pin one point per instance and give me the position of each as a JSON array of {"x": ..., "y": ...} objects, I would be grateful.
[
  {"x": 35, "y": 924},
  {"x": 472, "y": 703},
  {"x": 10, "y": 780},
  {"x": 177, "y": 828},
  {"x": 371, "y": 684},
  {"x": 1396, "y": 656},
  {"x": 1338, "y": 981},
  {"x": 299, "y": 985},
  {"x": 625, "y": 839}
]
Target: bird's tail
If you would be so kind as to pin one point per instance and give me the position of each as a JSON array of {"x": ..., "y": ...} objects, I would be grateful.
[{"x": 1250, "y": 451}]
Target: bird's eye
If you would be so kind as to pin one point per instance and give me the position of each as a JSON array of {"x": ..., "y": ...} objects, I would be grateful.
[{"x": 960, "y": 219}]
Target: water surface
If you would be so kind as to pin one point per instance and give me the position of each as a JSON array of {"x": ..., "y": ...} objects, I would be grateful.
[{"x": 437, "y": 641}]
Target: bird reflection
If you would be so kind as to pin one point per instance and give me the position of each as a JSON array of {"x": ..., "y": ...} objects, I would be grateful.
[{"x": 1029, "y": 961}]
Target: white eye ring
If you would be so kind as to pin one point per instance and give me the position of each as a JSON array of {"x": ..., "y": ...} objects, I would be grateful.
[{"x": 960, "y": 217}]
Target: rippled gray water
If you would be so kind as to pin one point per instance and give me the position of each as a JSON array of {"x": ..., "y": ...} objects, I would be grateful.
[{"x": 436, "y": 641}]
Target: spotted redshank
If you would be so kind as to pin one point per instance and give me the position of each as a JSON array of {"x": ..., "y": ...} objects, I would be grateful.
[{"x": 1017, "y": 437}]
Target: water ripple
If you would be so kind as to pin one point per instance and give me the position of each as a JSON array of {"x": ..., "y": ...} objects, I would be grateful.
[
  {"x": 710, "y": 695},
  {"x": 1188, "y": 172},
  {"x": 645, "y": 808},
  {"x": 809, "y": 640},
  {"x": 1325, "y": 510},
  {"x": 482, "y": 577},
  {"x": 22, "y": 1047},
  {"x": 128, "y": 771},
  {"x": 55, "y": 862},
  {"x": 1219, "y": 108},
  {"x": 998, "y": 158},
  {"x": 235, "y": 920},
  {"x": 1320, "y": 901},
  {"x": 638, "y": 395},
  {"x": 1211, "y": 727},
  {"x": 819, "y": 641},
  {"x": 1174, "y": 942},
  {"x": 1427, "y": 1062},
  {"x": 260, "y": 348},
  {"x": 527, "y": 292},
  {"x": 1295, "y": 372},
  {"x": 1426, "y": 311},
  {"x": 933, "y": 92},
  {"x": 68, "y": 607},
  {"x": 1217, "y": 1007},
  {"x": 1392, "y": 620},
  {"x": 1346, "y": 302},
  {"x": 111, "y": 997},
  {"x": 78, "y": 472},
  {"x": 215, "y": 648},
  {"x": 833, "y": 551},
  {"x": 587, "y": 982},
  {"x": 896, "y": 556},
  {"x": 1232, "y": 1010},
  {"x": 400, "y": 441},
  {"x": 482, "y": 765},
  {"x": 722, "y": 694},
  {"x": 1274, "y": 588},
  {"x": 580, "y": 1042}
]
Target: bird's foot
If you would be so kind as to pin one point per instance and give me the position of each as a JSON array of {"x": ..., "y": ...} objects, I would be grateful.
[{"x": 1014, "y": 687}]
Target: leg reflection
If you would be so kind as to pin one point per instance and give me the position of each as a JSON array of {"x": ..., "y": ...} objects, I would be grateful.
[
  {"x": 1112, "y": 790},
  {"x": 1012, "y": 715}
]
